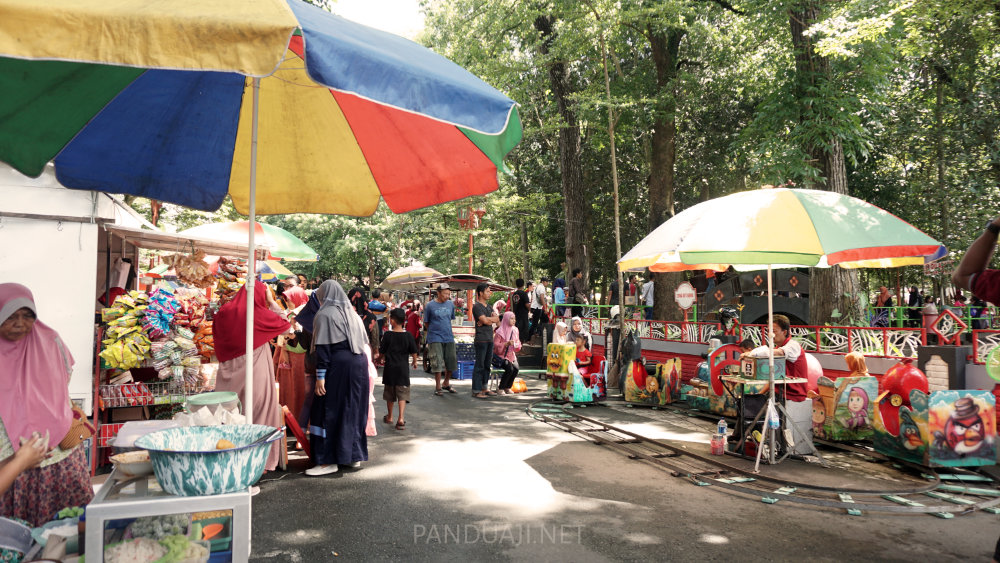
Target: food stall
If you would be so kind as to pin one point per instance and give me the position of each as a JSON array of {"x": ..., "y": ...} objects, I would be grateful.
[{"x": 155, "y": 347}]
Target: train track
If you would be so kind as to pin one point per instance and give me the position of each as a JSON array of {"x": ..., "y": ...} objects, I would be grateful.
[{"x": 944, "y": 496}]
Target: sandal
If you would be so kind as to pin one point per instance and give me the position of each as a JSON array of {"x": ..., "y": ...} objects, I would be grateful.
[
  {"x": 449, "y": 389},
  {"x": 481, "y": 396},
  {"x": 438, "y": 393},
  {"x": 401, "y": 425},
  {"x": 387, "y": 419},
  {"x": 491, "y": 393}
]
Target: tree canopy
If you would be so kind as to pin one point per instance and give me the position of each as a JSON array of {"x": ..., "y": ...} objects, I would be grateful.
[{"x": 904, "y": 95}]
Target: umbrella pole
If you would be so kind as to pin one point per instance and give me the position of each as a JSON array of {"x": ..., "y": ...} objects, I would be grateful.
[
  {"x": 252, "y": 258},
  {"x": 769, "y": 433}
]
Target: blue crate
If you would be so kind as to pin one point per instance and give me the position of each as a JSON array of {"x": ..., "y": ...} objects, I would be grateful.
[
  {"x": 465, "y": 352},
  {"x": 464, "y": 370}
]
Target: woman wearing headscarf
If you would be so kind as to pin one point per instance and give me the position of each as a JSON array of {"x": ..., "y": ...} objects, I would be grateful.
[
  {"x": 883, "y": 305},
  {"x": 559, "y": 296},
  {"x": 359, "y": 300},
  {"x": 304, "y": 319},
  {"x": 34, "y": 401},
  {"x": 230, "y": 328},
  {"x": 576, "y": 329},
  {"x": 506, "y": 343},
  {"x": 560, "y": 334},
  {"x": 340, "y": 407}
]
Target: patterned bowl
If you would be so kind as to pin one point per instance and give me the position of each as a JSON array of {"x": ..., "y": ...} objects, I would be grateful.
[{"x": 187, "y": 463}]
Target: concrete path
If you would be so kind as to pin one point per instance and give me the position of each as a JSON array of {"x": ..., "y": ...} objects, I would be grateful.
[{"x": 478, "y": 480}]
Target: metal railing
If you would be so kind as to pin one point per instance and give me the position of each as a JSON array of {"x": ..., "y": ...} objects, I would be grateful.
[
  {"x": 888, "y": 342},
  {"x": 976, "y": 318},
  {"x": 983, "y": 342}
]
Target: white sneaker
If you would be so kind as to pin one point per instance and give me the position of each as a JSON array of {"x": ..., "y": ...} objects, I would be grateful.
[
  {"x": 354, "y": 464},
  {"x": 321, "y": 470}
]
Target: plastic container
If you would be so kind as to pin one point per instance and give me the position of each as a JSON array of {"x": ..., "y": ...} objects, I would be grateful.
[
  {"x": 719, "y": 444},
  {"x": 72, "y": 540},
  {"x": 133, "y": 464},
  {"x": 228, "y": 400},
  {"x": 15, "y": 537},
  {"x": 220, "y": 541},
  {"x": 723, "y": 427},
  {"x": 187, "y": 463},
  {"x": 464, "y": 370},
  {"x": 124, "y": 440}
]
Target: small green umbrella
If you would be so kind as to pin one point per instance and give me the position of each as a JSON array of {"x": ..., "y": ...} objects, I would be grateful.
[{"x": 278, "y": 242}]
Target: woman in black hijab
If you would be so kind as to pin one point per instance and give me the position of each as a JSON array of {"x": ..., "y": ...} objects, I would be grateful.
[{"x": 340, "y": 406}]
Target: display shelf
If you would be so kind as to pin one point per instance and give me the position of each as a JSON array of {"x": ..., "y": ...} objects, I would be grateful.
[
  {"x": 106, "y": 432},
  {"x": 142, "y": 394},
  {"x": 122, "y": 497}
]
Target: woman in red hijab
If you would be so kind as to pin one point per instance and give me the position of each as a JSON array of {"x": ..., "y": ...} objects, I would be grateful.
[
  {"x": 229, "y": 327},
  {"x": 35, "y": 367}
]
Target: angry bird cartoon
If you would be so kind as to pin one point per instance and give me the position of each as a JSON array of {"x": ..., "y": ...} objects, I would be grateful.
[
  {"x": 909, "y": 432},
  {"x": 964, "y": 432}
]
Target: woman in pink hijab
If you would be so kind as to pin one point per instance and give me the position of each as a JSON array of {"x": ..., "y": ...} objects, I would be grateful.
[
  {"x": 34, "y": 401},
  {"x": 506, "y": 343}
]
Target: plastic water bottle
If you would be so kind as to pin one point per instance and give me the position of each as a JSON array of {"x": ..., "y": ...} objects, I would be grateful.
[{"x": 723, "y": 427}]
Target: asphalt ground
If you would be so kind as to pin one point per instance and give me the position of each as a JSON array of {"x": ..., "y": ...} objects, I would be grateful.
[{"x": 479, "y": 480}]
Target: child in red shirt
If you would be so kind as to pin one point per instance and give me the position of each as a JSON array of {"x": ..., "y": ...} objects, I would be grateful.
[
  {"x": 413, "y": 323},
  {"x": 583, "y": 356}
]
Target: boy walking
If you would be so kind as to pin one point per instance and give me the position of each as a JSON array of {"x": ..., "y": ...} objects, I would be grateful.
[{"x": 396, "y": 345}]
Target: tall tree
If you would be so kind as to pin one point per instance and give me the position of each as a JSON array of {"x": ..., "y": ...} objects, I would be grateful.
[
  {"x": 831, "y": 289},
  {"x": 578, "y": 233}
]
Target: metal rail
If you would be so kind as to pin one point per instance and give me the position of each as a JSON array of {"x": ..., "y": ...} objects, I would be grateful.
[{"x": 706, "y": 470}]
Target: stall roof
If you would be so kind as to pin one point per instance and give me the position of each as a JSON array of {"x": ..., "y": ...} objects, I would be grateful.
[
  {"x": 461, "y": 282},
  {"x": 159, "y": 240}
]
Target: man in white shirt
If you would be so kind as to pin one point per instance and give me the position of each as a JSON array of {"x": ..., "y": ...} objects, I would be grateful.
[
  {"x": 647, "y": 298},
  {"x": 797, "y": 404},
  {"x": 539, "y": 305}
]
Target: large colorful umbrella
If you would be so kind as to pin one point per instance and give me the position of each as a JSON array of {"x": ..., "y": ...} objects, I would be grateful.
[
  {"x": 270, "y": 270},
  {"x": 778, "y": 227},
  {"x": 166, "y": 100},
  {"x": 402, "y": 278},
  {"x": 154, "y": 100},
  {"x": 278, "y": 242}
]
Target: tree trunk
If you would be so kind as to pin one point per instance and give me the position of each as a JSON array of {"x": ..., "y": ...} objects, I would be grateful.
[
  {"x": 526, "y": 270},
  {"x": 574, "y": 200},
  {"x": 830, "y": 289},
  {"x": 665, "y": 45}
]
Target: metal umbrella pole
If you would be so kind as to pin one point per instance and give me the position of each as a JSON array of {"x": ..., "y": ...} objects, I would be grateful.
[
  {"x": 252, "y": 259},
  {"x": 768, "y": 432}
]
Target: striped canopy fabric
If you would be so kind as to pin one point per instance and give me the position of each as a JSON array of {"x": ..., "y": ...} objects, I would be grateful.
[
  {"x": 779, "y": 227},
  {"x": 154, "y": 99}
]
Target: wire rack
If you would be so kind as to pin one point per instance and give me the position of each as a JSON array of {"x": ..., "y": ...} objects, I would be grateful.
[{"x": 142, "y": 394}]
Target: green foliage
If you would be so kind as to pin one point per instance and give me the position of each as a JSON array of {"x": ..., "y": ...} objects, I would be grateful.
[{"x": 911, "y": 92}]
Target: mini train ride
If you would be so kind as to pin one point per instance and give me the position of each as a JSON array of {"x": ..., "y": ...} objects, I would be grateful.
[{"x": 896, "y": 413}]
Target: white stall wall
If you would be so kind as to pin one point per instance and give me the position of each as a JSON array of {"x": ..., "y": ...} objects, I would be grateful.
[
  {"x": 48, "y": 242},
  {"x": 58, "y": 263}
]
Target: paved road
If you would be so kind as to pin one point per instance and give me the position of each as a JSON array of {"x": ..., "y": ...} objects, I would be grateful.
[{"x": 474, "y": 480}]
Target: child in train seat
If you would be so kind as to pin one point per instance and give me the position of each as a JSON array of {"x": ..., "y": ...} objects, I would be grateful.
[{"x": 583, "y": 358}]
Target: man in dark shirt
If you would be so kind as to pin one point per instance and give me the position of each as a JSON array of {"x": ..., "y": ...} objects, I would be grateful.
[
  {"x": 519, "y": 304},
  {"x": 576, "y": 292},
  {"x": 485, "y": 318}
]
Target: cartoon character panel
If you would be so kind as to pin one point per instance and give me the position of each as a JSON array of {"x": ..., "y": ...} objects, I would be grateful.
[
  {"x": 560, "y": 357},
  {"x": 659, "y": 388},
  {"x": 845, "y": 408},
  {"x": 955, "y": 428}
]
